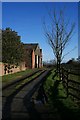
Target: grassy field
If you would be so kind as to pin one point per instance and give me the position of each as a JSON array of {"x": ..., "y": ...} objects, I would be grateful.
[
  {"x": 57, "y": 99},
  {"x": 10, "y": 77}
]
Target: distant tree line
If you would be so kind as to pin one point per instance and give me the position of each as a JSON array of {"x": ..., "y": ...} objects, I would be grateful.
[{"x": 48, "y": 64}]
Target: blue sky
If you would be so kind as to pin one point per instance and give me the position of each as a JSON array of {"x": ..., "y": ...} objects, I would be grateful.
[{"x": 27, "y": 19}]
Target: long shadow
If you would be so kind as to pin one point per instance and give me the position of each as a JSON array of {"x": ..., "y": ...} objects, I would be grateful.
[
  {"x": 30, "y": 106},
  {"x": 65, "y": 112},
  {"x": 32, "y": 111},
  {"x": 41, "y": 95},
  {"x": 6, "y": 110}
]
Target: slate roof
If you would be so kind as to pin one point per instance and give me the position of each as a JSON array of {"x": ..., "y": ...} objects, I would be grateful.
[{"x": 31, "y": 46}]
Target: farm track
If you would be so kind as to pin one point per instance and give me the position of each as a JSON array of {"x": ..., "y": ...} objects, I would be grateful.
[
  {"x": 16, "y": 96},
  {"x": 19, "y": 84},
  {"x": 4, "y": 86}
]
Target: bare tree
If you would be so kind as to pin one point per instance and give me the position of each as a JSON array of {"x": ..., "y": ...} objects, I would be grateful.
[{"x": 58, "y": 34}]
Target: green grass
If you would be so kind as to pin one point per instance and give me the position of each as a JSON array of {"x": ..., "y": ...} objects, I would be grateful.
[
  {"x": 18, "y": 85},
  {"x": 26, "y": 80},
  {"x": 49, "y": 82},
  {"x": 57, "y": 99},
  {"x": 10, "y": 77},
  {"x": 74, "y": 77},
  {"x": 68, "y": 102},
  {"x": 69, "y": 107}
]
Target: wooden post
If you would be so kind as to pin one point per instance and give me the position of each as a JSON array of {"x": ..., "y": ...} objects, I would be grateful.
[
  {"x": 62, "y": 74},
  {"x": 67, "y": 82},
  {"x": 59, "y": 67}
]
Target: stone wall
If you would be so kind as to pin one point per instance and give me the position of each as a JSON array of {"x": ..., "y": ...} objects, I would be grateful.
[
  {"x": 1, "y": 68},
  {"x": 13, "y": 69}
]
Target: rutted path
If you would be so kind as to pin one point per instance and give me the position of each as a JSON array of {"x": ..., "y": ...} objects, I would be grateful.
[{"x": 16, "y": 100}]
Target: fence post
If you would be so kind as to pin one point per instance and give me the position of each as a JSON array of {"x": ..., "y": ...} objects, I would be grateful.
[
  {"x": 67, "y": 73},
  {"x": 62, "y": 74}
]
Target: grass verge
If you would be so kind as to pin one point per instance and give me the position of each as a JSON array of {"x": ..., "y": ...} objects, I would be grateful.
[
  {"x": 7, "y": 78},
  {"x": 57, "y": 99}
]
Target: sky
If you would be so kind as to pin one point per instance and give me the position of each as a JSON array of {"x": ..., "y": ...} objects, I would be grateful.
[{"x": 26, "y": 18}]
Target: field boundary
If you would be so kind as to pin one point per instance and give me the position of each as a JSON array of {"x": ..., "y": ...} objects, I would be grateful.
[{"x": 71, "y": 86}]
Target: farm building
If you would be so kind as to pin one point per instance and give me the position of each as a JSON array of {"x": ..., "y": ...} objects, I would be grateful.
[
  {"x": 33, "y": 56},
  {"x": 33, "y": 59}
]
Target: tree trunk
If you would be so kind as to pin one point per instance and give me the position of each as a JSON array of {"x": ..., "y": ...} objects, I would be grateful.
[{"x": 59, "y": 70}]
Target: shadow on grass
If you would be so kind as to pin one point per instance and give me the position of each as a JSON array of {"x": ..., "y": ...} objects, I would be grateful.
[
  {"x": 30, "y": 106},
  {"x": 56, "y": 102},
  {"x": 66, "y": 113}
]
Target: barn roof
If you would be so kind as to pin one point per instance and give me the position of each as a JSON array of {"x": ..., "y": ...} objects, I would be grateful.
[{"x": 31, "y": 46}]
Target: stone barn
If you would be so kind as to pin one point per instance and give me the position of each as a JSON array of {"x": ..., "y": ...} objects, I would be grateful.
[
  {"x": 32, "y": 59},
  {"x": 33, "y": 56}
]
